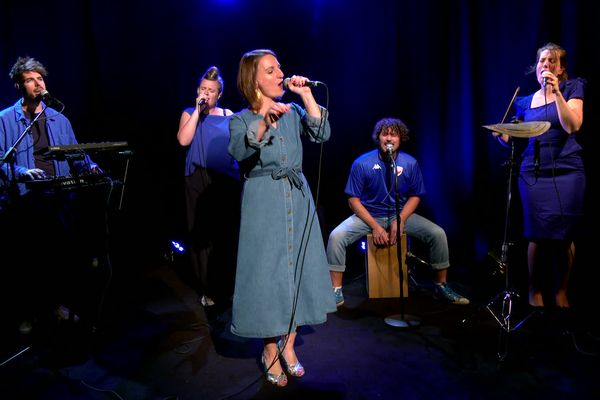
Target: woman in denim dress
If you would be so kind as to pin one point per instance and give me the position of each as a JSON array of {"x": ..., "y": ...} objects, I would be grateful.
[{"x": 282, "y": 278}]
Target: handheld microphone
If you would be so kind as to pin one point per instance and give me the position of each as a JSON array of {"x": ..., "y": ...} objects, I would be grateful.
[
  {"x": 544, "y": 79},
  {"x": 201, "y": 102},
  {"x": 286, "y": 83},
  {"x": 46, "y": 97}
]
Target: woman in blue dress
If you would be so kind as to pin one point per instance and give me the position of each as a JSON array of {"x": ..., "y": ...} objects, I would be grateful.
[
  {"x": 212, "y": 192},
  {"x": 282, "y": 278},
  {"x": 552, "y": 177}
]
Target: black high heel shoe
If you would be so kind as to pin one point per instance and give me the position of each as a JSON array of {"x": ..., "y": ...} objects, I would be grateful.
[
  {"x": 277, "y": 380},
  {"x": 295, "y": 370}
]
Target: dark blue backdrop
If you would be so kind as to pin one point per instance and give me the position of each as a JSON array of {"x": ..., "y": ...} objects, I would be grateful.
[{"x": 126, "y": 69}]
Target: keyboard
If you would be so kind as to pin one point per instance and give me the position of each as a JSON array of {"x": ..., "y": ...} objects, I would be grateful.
[
  {"x": 61, "y": 152},
  {"x": 67, "y": 182}
]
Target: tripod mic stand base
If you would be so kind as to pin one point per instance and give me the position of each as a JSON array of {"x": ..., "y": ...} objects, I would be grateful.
[
  {"x": 502, "y": 309},
  {"x": 402, "y": 321}
]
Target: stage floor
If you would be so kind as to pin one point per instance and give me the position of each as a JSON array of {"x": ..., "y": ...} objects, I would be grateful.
[{"x": 153, "y": 340}]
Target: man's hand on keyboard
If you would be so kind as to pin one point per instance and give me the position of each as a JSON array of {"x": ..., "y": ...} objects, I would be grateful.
[{"x": 33, "y": 174}]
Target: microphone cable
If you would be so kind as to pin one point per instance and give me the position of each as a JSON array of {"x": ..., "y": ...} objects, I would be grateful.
[{"x": 307, "y": 230}]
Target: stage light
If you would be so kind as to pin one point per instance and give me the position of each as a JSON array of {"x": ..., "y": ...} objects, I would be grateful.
[
  {"x": 177, "y": 247},
  {"x": 362, "y": 245}
]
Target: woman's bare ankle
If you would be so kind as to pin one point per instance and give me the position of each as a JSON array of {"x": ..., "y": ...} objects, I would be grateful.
[
  {"x": 561, "y": 299},
  {"x": 536, "y": 299}
]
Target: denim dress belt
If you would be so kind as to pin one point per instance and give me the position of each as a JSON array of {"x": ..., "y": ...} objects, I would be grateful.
[{"x": 292, "y": 174}]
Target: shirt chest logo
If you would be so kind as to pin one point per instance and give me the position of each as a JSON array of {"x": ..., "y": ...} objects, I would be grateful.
[{"x": 399, "y": 169}]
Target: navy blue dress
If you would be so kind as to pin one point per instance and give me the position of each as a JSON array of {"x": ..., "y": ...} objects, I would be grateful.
[{"x": 553, "y": 196}]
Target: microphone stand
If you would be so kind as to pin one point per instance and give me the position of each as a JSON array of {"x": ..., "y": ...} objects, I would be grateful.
[
  {"x": 11, "y": 158},
  {"x": 401, "y": 320},
  {"x": 501, "y": 306}
]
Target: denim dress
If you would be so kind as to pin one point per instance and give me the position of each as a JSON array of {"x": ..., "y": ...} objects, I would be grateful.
[{"x": 282, "y": 277}]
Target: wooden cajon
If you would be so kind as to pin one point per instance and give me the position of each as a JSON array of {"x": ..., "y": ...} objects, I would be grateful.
[{"x": 383, "y": 279}]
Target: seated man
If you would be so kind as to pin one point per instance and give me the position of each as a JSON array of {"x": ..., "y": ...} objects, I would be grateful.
[{"x": 371, "y": 189}]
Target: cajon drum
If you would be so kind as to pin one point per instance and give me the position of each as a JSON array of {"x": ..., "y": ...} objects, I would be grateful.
[{"x": 383, "y": 279}]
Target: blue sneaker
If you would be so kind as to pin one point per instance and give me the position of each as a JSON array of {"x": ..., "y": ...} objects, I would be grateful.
[
  {"x": 339, "y": 296},
  {"x": 445, "y": 292}
]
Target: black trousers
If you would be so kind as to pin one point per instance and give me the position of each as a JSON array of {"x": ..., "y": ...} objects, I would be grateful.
[{"x": 213, "y": 217}]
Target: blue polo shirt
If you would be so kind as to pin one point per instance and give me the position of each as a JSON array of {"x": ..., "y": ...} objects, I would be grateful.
[{"x": 371, "y": 181}]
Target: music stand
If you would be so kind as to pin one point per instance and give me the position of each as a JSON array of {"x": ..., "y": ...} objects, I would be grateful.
[
  {"x": 401, "y": 320},
  {"x": 501, "y": 305}
]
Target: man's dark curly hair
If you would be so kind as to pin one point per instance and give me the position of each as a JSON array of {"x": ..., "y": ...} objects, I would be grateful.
[
  {"x": 394, "y": 124},
  {"x": 26, "y": 64}
]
